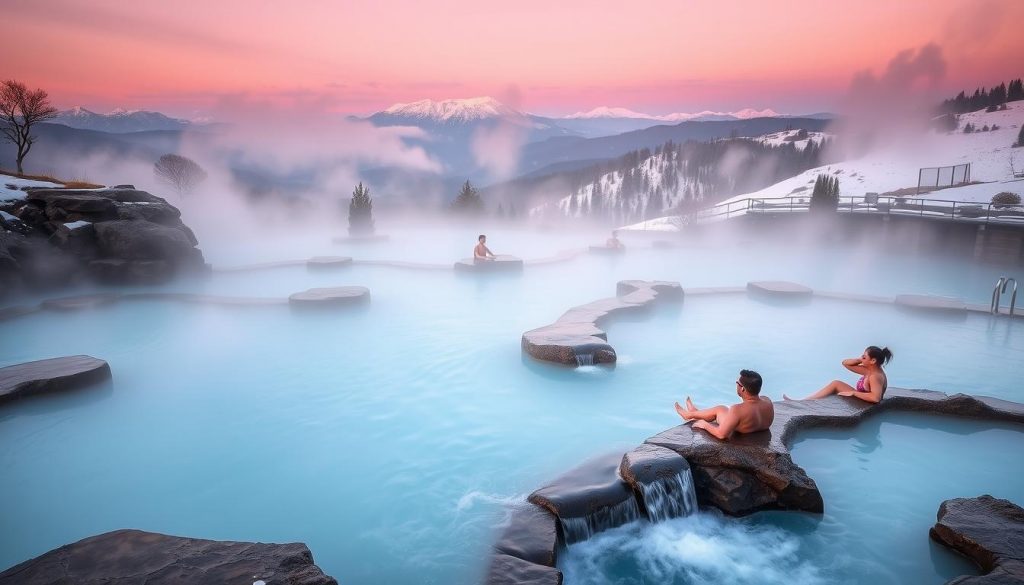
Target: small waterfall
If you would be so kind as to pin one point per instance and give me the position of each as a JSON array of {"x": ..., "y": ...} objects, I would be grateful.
[
  {"x": 584, "y": 359},
  {"x": 578, "y": 529},
  {"x": 672, "y": 497}
]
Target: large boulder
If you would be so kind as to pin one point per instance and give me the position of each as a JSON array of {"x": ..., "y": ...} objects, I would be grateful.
[
  {"x": 117, "y": 236},
  {"x": 987, "y": 530},
  {"x": 134, "y": 557}
]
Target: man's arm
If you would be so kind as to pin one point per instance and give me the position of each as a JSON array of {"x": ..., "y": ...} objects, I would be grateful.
[
  {"x": 727, "y": 422},
  {"x": 489, "y": 253}
]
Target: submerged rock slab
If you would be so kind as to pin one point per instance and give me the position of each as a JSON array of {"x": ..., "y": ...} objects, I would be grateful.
[
  {"x": 333, "y": 296},
  {"x": 755, "y": 472},
  {"x": 779, "y": 288},
  {"x": 932, "y": 303},
  {"x": 82, "y": 302},
  {"x": 51, "y": 375},
  {"x": 134, "y": 557},
  {"x": 503, "y": 263},
  {"x": 531, "y": 535},
  {"x": 987, "y": 530},
  {"x": 328, "y": 262},
  {"x": 607, "y": 250},
  {"x": 576, "y": 338},
  {"x": 508, "y": 570}
]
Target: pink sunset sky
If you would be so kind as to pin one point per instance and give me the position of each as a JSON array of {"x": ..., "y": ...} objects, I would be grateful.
[{"x": 191, "y": 58}]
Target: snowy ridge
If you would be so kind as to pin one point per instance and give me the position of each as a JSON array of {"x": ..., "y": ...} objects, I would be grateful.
[
  {"x": 118, "y": 120},
  {"x": 707, "y": 115},
  {"x": 459, "y": 110},
  {"x": 990, "y": 154}
]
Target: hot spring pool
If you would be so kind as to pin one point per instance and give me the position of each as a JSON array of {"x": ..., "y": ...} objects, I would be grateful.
[{"x": 390, "y": 438}]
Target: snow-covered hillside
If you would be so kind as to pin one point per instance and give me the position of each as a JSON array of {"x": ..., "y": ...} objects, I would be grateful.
[
  {"x": 644, "y": 183},
  {"x": 457, "y": 110},
  {"x": 990, "y": 154}
]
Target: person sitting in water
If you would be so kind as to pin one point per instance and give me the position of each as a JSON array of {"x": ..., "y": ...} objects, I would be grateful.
[
  {"x": 873, "y": 381},
  {"x": 481, "y": 253},
  {"x": 754, "y": 413},
  {"x": 614, "y": 241}
]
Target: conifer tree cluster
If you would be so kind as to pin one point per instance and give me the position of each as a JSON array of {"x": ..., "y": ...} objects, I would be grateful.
[
  {"x": 992, "y": 98},
  {"x": 468, "y": 201},
  {"x": 825, "y": 196},
  {"x": 360, "y": 212}
]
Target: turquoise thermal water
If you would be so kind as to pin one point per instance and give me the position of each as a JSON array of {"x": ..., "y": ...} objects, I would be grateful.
[{"x": 390, "y": 438}]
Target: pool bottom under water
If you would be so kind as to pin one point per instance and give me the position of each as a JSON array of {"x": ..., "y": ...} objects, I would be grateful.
[{"x": 882, "y": 483}]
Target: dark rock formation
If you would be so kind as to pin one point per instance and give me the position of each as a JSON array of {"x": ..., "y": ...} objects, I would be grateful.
[
  {"x": 987, "y": 530},
  {"x": 531, "y": 535},
  {"x": 52, "y": 375},
  {"x": 502, "y": 263},
  {"x": 589, "y": 498},
  {"x": 117, "y": 235},
  {"x": 509, "y": 570},
  {"x": 755, "y": 472},
  {"x": 576, "y": 338},
  {"x": 81, "y": 302},
  {"x": 334, "y": 296},
  {"x": 133, "y": 557}
]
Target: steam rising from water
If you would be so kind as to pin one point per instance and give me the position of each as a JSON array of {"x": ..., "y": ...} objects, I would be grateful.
[{"x": 702, "y": 548}]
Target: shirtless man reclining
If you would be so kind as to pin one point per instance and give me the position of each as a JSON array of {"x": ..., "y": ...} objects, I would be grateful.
[{"x": 754, "y": 413}]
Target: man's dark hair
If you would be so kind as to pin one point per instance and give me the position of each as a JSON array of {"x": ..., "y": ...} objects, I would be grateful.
[
  {"x": 480, "y": 237},
  {"x": 751, "y": 381}
]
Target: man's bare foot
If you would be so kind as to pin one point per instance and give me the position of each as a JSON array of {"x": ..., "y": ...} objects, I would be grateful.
[
  {"x": 785, "y": 397},
  {"x": 689, "y": 405},
  {"x": 683, "y": 413}
]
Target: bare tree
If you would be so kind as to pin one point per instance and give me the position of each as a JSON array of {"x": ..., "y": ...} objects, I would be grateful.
[
  {"x": 180, "y": 172},
  {"x": 20, "y": 108}
]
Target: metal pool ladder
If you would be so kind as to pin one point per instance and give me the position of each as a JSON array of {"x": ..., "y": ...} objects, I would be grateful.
[{"x": 1000, "y": 290}]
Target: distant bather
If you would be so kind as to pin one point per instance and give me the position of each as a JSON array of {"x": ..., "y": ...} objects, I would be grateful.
[{"x": 481, "y": 253}]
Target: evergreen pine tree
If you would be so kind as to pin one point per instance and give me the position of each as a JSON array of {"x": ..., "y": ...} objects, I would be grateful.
[
  {"x": 501, "y": 212},
  {"x": 468, "y": 201},
  {"x": 360, "y": 212},
  {"x": 825, "y": 196},
  {"x": 1020, "y": 136}
]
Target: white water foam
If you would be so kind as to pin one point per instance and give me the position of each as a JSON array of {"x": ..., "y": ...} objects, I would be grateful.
[{"x": 585, "y": 527}]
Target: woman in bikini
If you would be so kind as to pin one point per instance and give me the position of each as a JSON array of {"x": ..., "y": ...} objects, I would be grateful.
[{"x": 873, "y": 381}]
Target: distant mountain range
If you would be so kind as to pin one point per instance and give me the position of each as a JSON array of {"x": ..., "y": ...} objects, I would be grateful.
[{"x": 119, "y": 121}]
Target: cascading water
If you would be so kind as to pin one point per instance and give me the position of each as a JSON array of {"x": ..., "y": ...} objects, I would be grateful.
[
  {"x": 584, "y": 527},
  {"x": 671, "y": 497},
  {"x": 584, "y": 359}
]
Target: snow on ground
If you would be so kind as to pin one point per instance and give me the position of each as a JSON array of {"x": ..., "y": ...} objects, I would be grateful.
[
  {"x": 76, "y": 224},
  {"x": 990, "y": 154},
  {"x": 11, "y": 187},
  {"x": 787, "y": 136}
]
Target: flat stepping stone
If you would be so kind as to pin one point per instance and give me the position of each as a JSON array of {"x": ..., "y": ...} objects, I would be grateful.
[
  {"x": 987, "y": 530},
  {"x": 932, "y": 303},
  {"x": 126, "y": 557},
  {"x": 779, "y": 288},
  {"x": 51, "y": 375},
  {"x": 531, "y": 535},
  {"x": 333, "y": 296},
  {"x": 82, "y": 302},
  {"x": 328, "y": 262},
  {"x": 503, "y": 263}
]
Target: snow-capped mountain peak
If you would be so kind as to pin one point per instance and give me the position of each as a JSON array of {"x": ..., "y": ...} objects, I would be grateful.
[
  {"x": 607, "y": 112},
  {"x": 453, "y": 110},
  {"x": 118, "y": 120}
]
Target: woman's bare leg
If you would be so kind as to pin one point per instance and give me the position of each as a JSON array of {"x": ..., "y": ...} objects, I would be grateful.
[{"x": 833, "y": 387}]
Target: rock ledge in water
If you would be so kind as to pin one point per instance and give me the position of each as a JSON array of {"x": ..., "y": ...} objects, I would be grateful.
[
  {"x": 503, "y": 263},
  {"x": 333, "y": 296},
  {"x": 52, "y": 375},
  {"x": 576, "y": 337},
  {"x": 755, "y": 472},
  {"x": 987, "y": 530},
  {"x": 134, "y": 557}
]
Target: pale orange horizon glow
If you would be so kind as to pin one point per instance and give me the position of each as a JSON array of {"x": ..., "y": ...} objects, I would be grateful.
[{"x": 189, "y": 57}]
